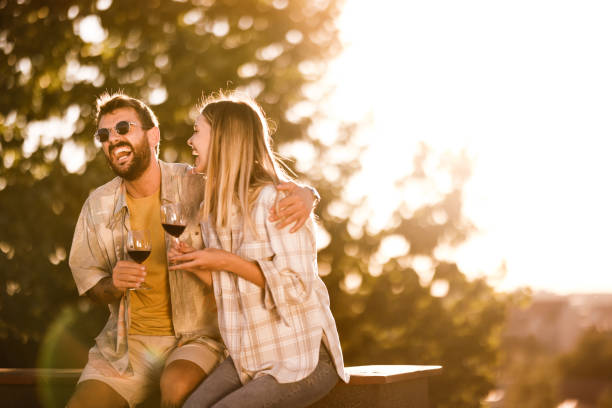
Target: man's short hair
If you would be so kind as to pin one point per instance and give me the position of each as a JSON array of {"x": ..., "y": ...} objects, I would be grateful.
[{"x": 107, "y": 103}]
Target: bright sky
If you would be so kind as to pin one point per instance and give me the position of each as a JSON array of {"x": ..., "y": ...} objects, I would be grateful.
[{"x": 526, "y": 88}]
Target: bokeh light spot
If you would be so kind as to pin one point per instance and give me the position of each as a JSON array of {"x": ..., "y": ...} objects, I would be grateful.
[
  {"x": 294, "y": 36},
  {"x": 351, "y": 282},
  {"x": 103, "y": 4},
  {"x": 158, "y": 96},
  {"x": 439, "y": 288},
  {"x": 90, "y": 29}
]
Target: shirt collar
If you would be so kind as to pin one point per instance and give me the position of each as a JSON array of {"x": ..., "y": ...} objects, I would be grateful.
[
  {"x": 120, "y": 194},
  {"x": 167, "y": 188},
  {"x": 120, "y": 203},
  {"x": 170, "y": 190}
]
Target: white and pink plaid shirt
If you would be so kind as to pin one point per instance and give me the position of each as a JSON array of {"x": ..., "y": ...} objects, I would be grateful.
[{"x": 278, "y": 329}]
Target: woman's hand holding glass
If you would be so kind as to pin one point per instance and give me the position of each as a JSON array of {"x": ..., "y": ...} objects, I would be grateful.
[
  {"x": 204, "y": 261},
  {"x": 201, "y": 262}
]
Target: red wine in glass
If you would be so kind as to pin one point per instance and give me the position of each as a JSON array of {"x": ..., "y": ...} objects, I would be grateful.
[
  {"x": 138, "y": 247},
  {"x": 173, "y": 219},
  {"x": 139, "y": 255},
  {"x": 174, "y": 229}
]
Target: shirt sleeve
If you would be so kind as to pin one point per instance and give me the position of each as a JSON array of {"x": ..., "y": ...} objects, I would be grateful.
[
  {"x": 87, "y": 261},
  {"x": 288, "y": 262}
]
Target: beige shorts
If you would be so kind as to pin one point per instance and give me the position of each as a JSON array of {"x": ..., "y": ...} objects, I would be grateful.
[{"x": 148, "y": 356}]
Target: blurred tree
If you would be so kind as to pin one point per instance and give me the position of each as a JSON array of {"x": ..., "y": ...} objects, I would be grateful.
[
  {"x": 591, "y": 358},
  {"x": 55, "y": 59},
  {"x": 529, "y": 374},
  {"x": 586, "y": 371},
  {"x": 533, "y": 375},
  {"x": 394, "y": 300},
  {"x": 410, "y": 307},
  {"x": 605, "y": 399}
]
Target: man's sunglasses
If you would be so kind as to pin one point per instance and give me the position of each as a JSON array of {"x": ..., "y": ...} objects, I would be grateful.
[{"x": 122, "y": 128}]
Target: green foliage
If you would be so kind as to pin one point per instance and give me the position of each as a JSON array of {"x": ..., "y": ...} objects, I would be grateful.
[
  {"x": 605, "y": 399},
  {"x": 591, "y": 358},
  {"x": 586, "y": 372},
  {"x": 535, "y": 376},
  {"x": 392, "y": 318},
  {"x": 530, "y": 374},
  {"x": 535, "y": 387},
  {"x": 272, "y": 48}
]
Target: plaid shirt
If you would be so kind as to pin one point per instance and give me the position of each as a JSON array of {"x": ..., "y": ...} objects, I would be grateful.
[
  {"x": 278, "y": 329},
  {"x": 99, "y": 242}
]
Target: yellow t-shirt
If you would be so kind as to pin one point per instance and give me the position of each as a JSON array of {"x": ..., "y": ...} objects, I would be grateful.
[{"x": 150, "y": 310}]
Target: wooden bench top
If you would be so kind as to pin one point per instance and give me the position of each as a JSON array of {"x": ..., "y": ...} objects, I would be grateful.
[
  {"x": 385, "y": 374},
  {"x": 27, "y": 376},
  {"x": 372, "y": 386},
  {"x": 370, "y": 374}
]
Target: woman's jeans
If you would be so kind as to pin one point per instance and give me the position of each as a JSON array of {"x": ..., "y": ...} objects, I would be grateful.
[{"x": 223, "y": 389}]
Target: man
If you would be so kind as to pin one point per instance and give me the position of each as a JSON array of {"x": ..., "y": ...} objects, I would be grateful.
[{"x": 167, "y": 334}]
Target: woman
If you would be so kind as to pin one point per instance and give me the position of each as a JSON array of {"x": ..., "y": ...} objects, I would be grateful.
[{"x": 273, "y": 308}]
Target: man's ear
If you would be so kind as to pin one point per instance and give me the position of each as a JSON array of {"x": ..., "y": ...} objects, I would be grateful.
[{"x": 154, "y": 136}]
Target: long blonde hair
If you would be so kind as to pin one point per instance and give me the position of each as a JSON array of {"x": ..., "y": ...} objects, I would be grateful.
[{"x": 240, "y": 159}]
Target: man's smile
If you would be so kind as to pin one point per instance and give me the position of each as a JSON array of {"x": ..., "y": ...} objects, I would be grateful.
[{"x": 121, "y": 153}]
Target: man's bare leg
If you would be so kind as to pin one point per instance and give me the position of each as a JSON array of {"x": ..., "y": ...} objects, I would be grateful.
[
  {"x": 95, "y": 394},
  {"x": 178, "y": 380}
]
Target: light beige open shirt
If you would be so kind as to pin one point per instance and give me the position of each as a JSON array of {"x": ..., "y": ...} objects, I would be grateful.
[{"x": 99, "y": 242}]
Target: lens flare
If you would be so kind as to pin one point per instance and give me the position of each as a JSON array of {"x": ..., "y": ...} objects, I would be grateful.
[{"x": 61, "y": 349}]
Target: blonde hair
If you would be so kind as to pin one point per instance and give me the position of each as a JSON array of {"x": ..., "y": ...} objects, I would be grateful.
[{"x": 240, "y": 158}]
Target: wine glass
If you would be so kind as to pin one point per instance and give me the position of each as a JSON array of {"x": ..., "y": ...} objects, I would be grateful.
[
  {"x": 173, "y": 219},
  {"x": 139, "y": 248}
]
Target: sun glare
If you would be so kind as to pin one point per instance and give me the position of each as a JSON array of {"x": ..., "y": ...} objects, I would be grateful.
[{"x": 523, "y": 88}]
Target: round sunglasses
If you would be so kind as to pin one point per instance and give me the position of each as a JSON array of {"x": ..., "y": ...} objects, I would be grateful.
[{"x": 121, "y": 127}]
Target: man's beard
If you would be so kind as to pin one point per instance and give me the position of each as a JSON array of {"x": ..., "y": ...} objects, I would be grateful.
[{"x": 141, "y": 157}]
